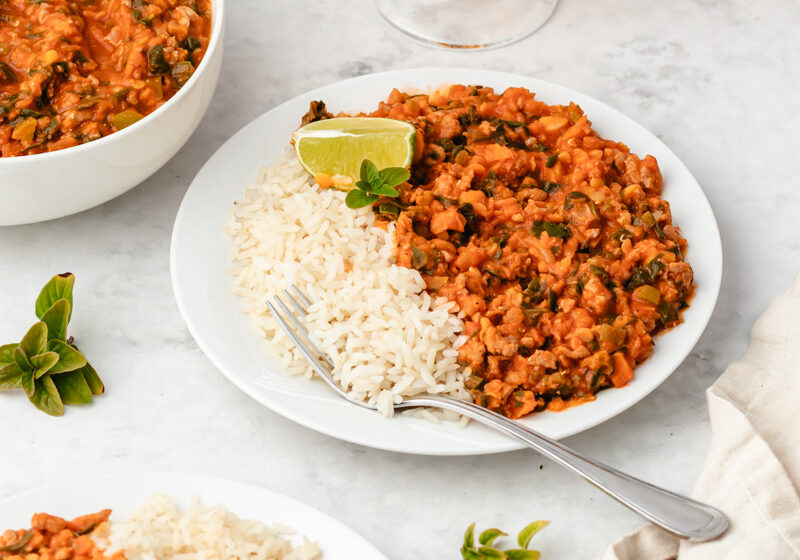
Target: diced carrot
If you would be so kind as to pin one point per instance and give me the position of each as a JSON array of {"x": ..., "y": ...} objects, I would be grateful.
[
  {"x": 323, "y": 180},
  {"x": 449, "y": 219},
  {"x": 622, "y": 370}
]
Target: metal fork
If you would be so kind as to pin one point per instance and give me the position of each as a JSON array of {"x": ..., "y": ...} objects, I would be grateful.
[{"x": 674, "y": 513}]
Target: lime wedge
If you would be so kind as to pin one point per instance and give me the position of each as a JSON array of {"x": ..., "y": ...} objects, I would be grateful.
[{"x": 338, "y": 146}]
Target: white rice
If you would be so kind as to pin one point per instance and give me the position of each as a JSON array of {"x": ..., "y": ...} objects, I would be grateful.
[
  {"x": 158, "y": 530},
  {"x": 385, "y": 335}
]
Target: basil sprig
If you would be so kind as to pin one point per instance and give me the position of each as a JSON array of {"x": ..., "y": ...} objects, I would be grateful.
[
  {"x": 375, "y": 184},
  {"x": 46, "y": 364},
  {"x": 486, "y": 551}
]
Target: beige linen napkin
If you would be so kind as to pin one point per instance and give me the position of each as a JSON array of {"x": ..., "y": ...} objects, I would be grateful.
[{"x": 752, "y": 471}]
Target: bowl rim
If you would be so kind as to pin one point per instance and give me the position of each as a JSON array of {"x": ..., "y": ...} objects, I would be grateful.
[{"x": 217, "y": 20}]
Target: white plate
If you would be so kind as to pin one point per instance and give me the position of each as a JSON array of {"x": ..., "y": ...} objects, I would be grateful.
[
  {"x": 124, "y": 492},
  {"x": 200, "y": 250}
]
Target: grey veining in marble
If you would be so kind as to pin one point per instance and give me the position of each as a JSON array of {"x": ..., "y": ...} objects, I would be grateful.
[{"x": 717, "y": 81}]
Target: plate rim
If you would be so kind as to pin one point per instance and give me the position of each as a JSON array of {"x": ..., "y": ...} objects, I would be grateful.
[
  {"x": 67, "y": 486},
  {"x": 405, "y": 74}
]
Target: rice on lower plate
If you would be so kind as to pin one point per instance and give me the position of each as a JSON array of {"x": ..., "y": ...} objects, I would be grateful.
[
  {"x": 386, "y": 336},
  {"x": 158, "y": 530}
]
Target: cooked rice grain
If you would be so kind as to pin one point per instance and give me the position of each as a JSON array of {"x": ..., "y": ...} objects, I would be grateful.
[
  {"x": 386, "y": 336},
  {"x": 158, "y": 530}
]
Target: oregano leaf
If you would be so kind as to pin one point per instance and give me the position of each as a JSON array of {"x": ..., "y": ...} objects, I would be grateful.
[
  {"x": 393, "y": 176},
  {"x": 10, "y": 377},
  {"x": 369, "y": 173},
  {"x": 27, "y": 382},
  {"x": 525, "y": 536},
  {"x": 69, "y": 359},
  {"x": 469, "y": 538},
  {"x": 43, "y": 362},
  {"x": 56, "y": 319},
  {"x": 7, "y": 354},
  {"x": 488, "y": 536},
  {"x": 72, "y": 388},
  {"x": 491, "y": 553},
  {"x": 523, "y": 554},
  {"x": 59, "y": 286},
  {"x": 92, "y": 379},
  {"x": 21, "y": 359},
  {"x": 359, "y": 199},
  {"x": 45, "y": 397},
  {"x": 385, "y": 190},
  {"x": 35, "y": 340}
]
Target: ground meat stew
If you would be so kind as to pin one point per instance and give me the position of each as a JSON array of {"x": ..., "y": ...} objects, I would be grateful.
[
  {"x": 72, "y": 71},
  {"x": 554, "y": 243},
  {"x": 54, "y": 538}
]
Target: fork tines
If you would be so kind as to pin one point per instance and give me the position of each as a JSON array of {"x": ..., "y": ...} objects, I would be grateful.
[{"x": 296, "y": 330}]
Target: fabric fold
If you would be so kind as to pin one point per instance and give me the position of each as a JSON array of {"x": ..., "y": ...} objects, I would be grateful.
[{"x": 752, "y": 470}]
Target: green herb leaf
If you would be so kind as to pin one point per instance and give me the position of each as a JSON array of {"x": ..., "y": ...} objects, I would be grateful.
[
  {"x": 525, "y": 536},
  {"x": 42, "y": 363},
  {"x": 489, "y": 553},
  {"x": 552, "y": 229},
  {"x": 385, "y": 190},
  {"x": 519, "y": 554},
  {"x": 418, "y": 258},
  {"x": 357, "y": 198},
  {"x": 551, "y": 160},
  {"x": 92, "y": 379},
  {"x": 369, "y": 174},
  {"x": 10, "y": 377},
  {"x": 569, "y": 200},
  {"x": 35, "y": 340},
  {"x": 667, "y": 312},
  {"x": 45, "y": 397},
  {"x": 58, "y": 287},
  {"x": 390, "y": 211},
  {"x": 27, "y": 382},
  {"x": 469, "y": 538},
  {"x": 73, "y": 388},
  {"x": 374, "y": 184},
  {"x": 156, "y": 62},
  {"x": 489, "y": 535},
  {"x": 7, "y": 354},
  {"x": 7, "y": 74},
  {"x": 56, "y": 319},
  {"x": 21, "y": 359},
  {"x": 549, "y": 186},
  {"x": 393, "y": 176},
  {"x": 69, "y": 359},
  {"x": 190, "y": 43}
]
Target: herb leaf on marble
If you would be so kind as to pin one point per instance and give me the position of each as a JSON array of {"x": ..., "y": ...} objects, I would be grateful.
[
  {"x": 487, "y": 551},
  {"x": 46, "y": 364}
]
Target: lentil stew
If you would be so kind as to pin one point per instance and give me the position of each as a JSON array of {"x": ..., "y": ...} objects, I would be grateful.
[
  {"x": 54, "y": 538},
  {"x": 75, "y": 71},
  {"x": 554, "y": 242}
]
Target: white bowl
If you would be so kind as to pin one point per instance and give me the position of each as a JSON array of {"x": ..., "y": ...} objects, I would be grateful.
[{"x": 50, "y": 185}]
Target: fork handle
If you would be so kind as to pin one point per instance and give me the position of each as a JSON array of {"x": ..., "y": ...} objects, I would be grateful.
[{"x": 674, "y": 513}]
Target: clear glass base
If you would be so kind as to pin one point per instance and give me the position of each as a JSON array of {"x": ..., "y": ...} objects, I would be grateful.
[{"x": 467, "y": 24}]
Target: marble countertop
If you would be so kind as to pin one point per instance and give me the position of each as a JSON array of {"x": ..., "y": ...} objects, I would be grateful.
[{"x": 717, "y": 81}]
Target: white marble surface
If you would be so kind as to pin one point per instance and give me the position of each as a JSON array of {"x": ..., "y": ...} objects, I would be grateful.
[{"x": 717, "y": 81}]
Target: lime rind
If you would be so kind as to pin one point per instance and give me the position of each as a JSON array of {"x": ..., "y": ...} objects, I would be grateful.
[{"x": 338, "y": 146}]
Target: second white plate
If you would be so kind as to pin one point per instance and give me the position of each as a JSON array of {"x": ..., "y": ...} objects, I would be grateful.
[
  {"x": 199, "y": 264},
  {"x": 122, "y": 493}
]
